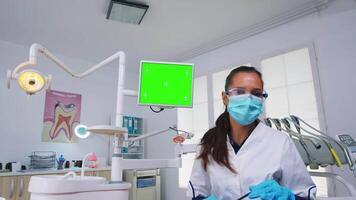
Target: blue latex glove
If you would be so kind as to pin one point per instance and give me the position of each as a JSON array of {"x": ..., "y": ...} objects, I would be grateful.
[
  {"x": 211, "y": 198},
  {"x": 270, "y": 190}
]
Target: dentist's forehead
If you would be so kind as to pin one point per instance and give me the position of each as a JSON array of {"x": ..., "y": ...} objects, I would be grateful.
[{"x": 246, "y": 80}]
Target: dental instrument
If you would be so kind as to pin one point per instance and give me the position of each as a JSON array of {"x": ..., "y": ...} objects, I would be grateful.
[
  {"x": 339, "y": 161},
  {"x": 289, "y": 128},
  {"x": 299, "y": 142},
  {"x": 268, "y": 122},
  {"x": 313, "y": 164},
  {"x": 244, "y": 196},
  {"x": 331, "y": 148},
  {"x": 318, "y": 145}
]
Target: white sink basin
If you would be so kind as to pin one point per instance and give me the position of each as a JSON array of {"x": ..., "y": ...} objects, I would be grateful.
[{"x": 55, "y": 184}]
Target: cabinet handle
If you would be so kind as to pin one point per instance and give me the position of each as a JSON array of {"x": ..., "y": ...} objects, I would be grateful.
[
  {"x": 21, "y": 187},
  {"x": 12, "y": 188}
]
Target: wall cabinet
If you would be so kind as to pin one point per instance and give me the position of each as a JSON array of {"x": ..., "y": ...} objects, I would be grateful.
[{"x": 134, "y": 127}]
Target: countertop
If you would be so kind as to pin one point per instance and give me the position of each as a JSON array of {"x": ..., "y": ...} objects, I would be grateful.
[{"x": 52, "y": 171}]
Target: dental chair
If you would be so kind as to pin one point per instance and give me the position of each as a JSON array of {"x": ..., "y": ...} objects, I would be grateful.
[{"x": 317, "y": 149}]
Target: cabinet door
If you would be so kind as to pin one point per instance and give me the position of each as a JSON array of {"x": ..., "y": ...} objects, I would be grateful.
[
  {"x": 90, "y": 173},
  {"x": 8, "y": 187},
  {"x": 22, "y": 187},
  {"x": 105, "y": 174},
  {"x": 148, "y": 193}
]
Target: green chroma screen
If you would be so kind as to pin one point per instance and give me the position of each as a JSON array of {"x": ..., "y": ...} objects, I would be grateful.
[{"x": 166, "y": 84}]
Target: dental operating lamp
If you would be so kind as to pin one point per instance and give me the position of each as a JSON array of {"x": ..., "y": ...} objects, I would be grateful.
[{"x": 32, "y": 81}]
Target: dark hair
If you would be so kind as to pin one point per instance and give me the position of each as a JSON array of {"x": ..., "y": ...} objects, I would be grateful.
[
  {"x": 238, "y": 70},
  {"x": 214, "y": 140}
]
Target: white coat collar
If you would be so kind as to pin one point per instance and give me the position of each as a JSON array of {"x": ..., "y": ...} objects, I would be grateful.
[{"x": 256, "y": 136}]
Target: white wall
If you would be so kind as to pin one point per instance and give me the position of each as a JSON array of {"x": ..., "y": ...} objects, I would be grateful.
[
  {"x": 21, "y": 115},
  {"x": 333, "y": 32}
]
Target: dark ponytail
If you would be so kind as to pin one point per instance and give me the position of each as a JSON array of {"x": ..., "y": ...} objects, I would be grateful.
[
  {"x": 214, "y": 143},
  {"x": 214, "y": 140}
]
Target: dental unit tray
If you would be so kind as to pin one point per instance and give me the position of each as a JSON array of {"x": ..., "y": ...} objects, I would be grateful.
[{"x": 315, "y": 147}]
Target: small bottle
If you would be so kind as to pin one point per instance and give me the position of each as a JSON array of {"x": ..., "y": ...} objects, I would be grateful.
[
  {"x": 60, "y": 162},
  {"x": 73, "y": 164},
  {"x": 67, "y": 164},
  {"x": 92, "y": 161}
]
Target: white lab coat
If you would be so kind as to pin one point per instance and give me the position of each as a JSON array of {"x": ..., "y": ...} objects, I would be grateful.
[{"x": 266, "y": 154}]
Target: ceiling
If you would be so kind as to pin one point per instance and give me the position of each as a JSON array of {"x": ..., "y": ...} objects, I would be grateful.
[{"x": 79, "y": 29}]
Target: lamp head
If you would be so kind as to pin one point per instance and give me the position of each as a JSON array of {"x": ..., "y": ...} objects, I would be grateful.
[{"x": 31, "y": 81}]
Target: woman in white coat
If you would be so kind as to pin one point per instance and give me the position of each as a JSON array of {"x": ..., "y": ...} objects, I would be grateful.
[{"x": 241, "y": 155}]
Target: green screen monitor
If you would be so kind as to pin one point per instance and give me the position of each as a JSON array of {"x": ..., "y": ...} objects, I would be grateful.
[{"x": 166, "y": 84}]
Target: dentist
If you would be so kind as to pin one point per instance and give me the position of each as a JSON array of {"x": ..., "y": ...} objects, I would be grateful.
[{"x": 241, "y": 155}]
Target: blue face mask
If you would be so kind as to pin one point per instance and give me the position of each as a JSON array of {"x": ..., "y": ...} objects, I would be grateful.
[{"x": 245, "y": 109}]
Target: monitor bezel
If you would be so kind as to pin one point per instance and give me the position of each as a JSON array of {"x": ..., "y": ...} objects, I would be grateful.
[{"x": 165, "y": 105}]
